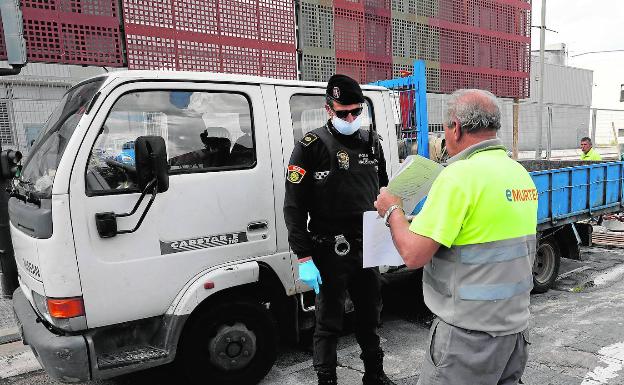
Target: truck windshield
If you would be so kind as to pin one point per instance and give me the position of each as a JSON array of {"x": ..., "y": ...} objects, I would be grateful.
[{"x": 40, "y": 167}]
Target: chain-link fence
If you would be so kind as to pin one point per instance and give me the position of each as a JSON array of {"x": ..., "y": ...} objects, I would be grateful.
[
  {"x": 24, "y": 108},
  {"x": 27, "y": 100},
  {"x": 26, "y": 103},
  {"x": 606, "y": 125},
  {"x": 563, "y": 126}
]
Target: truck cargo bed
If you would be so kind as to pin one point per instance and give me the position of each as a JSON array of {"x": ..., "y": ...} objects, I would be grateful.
[{"x": 571, "y": 191}]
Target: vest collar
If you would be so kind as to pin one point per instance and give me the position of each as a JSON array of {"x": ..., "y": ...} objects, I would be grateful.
[{"x": 486, "y": 145}]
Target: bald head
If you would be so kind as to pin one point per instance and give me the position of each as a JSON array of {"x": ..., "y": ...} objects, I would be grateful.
[{"x": 474, "y": 110}]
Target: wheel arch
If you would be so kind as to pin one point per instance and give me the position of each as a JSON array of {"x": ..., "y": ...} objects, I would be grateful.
[
  {"x": 249, "y": 280},
  {"x": 261, "y": 290}
]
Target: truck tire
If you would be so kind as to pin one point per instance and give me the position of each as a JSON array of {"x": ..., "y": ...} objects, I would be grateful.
[
  {"x": 231, "y": 343},
  {"x": 546, "y": 265}
]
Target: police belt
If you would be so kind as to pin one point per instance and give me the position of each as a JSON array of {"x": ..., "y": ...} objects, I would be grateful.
[{"x": 341, "y": 245}]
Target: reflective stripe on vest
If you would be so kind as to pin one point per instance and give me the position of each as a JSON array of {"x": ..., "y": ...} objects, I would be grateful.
[
  {"x": 495, "y": 292},
  {"x": 495, "y": 277},
  {"x": 491, "y": 252},
  {"x": 498, "y": 253}
]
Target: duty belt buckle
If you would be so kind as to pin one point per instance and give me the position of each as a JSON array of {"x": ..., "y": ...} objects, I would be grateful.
[{"x": 342, "y": 246}]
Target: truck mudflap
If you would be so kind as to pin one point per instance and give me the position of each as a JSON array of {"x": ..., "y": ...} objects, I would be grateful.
[{"x": 64, "y": 358}]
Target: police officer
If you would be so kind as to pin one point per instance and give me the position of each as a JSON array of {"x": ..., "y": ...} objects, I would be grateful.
[
  {"x": 475, "y": 237},
  {"x": 333, "y": 176}
]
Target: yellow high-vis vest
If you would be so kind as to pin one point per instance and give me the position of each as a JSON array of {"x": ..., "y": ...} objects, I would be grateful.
[
  {"x": 591, "y": 155},
  {"x": 482, "y": 209}
]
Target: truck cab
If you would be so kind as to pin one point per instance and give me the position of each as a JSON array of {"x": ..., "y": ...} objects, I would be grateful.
[{"x": 201, "y": 272}]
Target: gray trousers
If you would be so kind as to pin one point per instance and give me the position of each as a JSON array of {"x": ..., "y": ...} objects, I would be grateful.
[{"x": 458, "y": 356}]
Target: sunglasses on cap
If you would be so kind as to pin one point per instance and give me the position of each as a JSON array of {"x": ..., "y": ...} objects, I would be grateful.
[{"x": 344, "y": 113}]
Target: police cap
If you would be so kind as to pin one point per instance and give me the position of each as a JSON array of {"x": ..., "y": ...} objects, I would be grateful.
[{"x": 344, "y": 90}]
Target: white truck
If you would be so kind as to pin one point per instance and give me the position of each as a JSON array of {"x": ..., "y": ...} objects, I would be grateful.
[{"x": 200, "y": 271}]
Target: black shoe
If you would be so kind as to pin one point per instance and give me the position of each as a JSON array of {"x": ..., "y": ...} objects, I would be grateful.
[
  {"x": 376, "y": 379},
  {"x": 327, "y": 378}
]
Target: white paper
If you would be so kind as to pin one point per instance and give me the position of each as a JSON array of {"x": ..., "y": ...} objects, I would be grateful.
[
  {"x": 378, "y": 247},
  {"x": 413, "y": 180}
]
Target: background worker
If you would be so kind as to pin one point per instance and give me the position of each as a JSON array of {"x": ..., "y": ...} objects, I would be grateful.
[
  {"x": 334, "y": 176},
  {"x": 588, "y": 152},
  {"x": 475, "y": 237}
]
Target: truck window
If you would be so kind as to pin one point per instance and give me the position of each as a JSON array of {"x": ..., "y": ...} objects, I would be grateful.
[
  {"x": 203, "y": 131},
  {"x": 308, "y": 112},
  {"x": 48, "y": 148}
]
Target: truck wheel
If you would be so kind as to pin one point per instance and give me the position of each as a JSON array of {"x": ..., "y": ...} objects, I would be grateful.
[
  {"x": 229, "y": 343},
  {"x": 546, "y": 265}
]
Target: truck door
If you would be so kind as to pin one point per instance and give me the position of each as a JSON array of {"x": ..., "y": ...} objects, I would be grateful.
[{"x": 219, "y": 207}]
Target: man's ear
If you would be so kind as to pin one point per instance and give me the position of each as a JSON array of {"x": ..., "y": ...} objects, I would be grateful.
[
  {"x": 329, "y": 110},
  {"x": 457, "y": 131}
]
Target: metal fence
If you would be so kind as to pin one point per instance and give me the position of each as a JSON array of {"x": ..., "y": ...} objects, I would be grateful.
[
  {"x": 26, "y": 105},
  {"x": 563, "y": 125},
  {"x": 27, "y": 101},
  {"x": 606, "y": 125},
  {"x": 24, "y": 109}
]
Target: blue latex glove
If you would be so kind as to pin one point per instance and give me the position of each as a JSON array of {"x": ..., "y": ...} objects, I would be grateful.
[{"x": 310, "y": 275}]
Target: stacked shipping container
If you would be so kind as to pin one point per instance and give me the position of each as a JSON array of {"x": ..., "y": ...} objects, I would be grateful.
[
  {"x": 72, "y": 32},
  {"x": 465, "y": 43},
  {"x": 255, "y": 37}
]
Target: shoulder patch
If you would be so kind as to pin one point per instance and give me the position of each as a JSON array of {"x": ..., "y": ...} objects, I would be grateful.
[
  {"x": 295, "y": 174},
  {"x": 308, "y": 139}
]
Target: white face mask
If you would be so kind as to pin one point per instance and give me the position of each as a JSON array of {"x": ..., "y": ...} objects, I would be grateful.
[{"x": 346, "y": 128}]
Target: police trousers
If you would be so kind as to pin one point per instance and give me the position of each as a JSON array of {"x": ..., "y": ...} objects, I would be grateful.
[
  {"x": 457, "y": 356},
  {"x": 342, "y": 274}
]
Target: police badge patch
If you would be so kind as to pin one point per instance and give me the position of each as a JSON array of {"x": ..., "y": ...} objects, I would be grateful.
[
  {"x": 295, "y": 174},
  {"x": 343, "y": 159},
  {"x": 336, "y": 93}
]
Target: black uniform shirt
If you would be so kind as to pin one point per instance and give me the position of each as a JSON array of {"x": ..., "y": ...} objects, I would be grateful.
[{"x": 316, "y": 158}]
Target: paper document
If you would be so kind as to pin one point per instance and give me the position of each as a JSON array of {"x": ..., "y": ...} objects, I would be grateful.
[
  {"x": 378, "y": 248},
  {"x": 413, "y": 180}
]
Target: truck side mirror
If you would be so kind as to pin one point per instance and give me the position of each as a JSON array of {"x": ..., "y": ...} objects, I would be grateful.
[
  {"x": 9, "y": 160},
  {"x": 150, "y": 155},
  {"x": 150, "y": 159}
]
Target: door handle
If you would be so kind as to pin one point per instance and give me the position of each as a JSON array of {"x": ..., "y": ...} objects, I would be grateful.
[{"x": 256, "y": 226}]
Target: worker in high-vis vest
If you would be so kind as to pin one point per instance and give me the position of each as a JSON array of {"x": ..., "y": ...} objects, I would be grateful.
[
  {"x": 475, "y": 237},
  {"x": 587, "y": 151}
]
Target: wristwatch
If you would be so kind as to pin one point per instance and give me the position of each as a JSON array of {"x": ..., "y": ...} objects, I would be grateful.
[{"x": 389, "y": 212}]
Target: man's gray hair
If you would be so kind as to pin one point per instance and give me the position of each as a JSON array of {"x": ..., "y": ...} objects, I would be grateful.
[{"x": 475, "y": 110}]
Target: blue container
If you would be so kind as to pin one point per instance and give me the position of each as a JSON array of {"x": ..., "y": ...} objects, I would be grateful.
[
  {"x": 570, "y": 194},
  {"x": 570, "y": 191}
]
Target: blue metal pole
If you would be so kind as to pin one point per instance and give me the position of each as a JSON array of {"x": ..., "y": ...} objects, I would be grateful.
[
  {"x": 416, "y": 82},
  {"x": 420, "y": 99}
]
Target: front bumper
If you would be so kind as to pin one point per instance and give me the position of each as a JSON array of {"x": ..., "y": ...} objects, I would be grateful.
[{"x": 64, "y": 358}]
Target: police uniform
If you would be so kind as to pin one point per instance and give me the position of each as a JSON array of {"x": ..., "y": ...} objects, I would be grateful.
[
  {"x": 482, "y": 209},
  {"x": 334, "y": 178}
]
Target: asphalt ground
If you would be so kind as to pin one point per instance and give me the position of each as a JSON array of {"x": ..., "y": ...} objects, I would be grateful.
[{"x": 577, "y": 336}]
